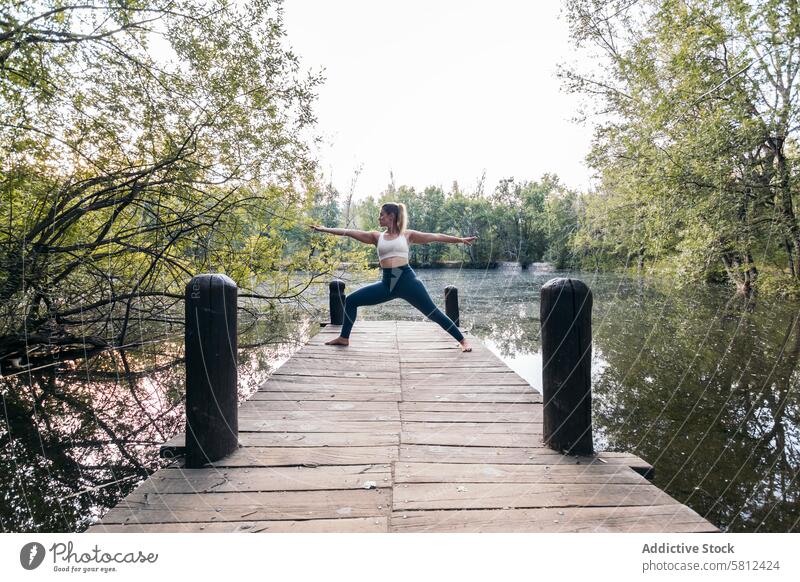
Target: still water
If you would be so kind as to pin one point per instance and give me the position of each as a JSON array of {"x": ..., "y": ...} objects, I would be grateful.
[{"x": 699, "y": 383}]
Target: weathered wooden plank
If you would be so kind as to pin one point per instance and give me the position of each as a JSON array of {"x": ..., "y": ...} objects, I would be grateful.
[
  {"x": 330, "y": 372},
  {"x": 303, "y": 362},
  {"x": 320, "y": 439},
  {"x": 254, "y": 506},
  {"x": 672, "y": 517},
  {"x": 358, "y": 346},
  {"x": 512, "y": 496},
  {"x": 355, "y": 525},
  {"x": 461, "y": 407},
  {"x": 331, "y": 387},
  {"x": 629, "y": 460},
  {"x": 425, "y": 453},
  {"x": 410, "y": 389},
  {"x": 488, "y": 383},
  {"x": 484, "y": 380},
  {"x": 417, "y": 349},
  {"x": 467, "y": 439},
  {"x": 353, "y": 351},
  {"x": 271, "y": 395},
  {"x": 310, "y": 456},
  {"x": 438, "y": 395},
  {"x": 328, "y": 404},
  {"x": 506, "y": 473},
  {"x": 368, "y": 323},
  {"x": 478, "y": 354},
  {"x": 330, "y": 380},
  {"x": 374, "y": 328},
  {"x": 178, "y": 480},
  {"x": 255, "y": 414},
  {"x": 373, "y": 336},
  {"x": 328, "y": 353},
  {"x": 473, "y": 417},
  {"x": 436, "y": 346},
  {"x": 317, "y": 425},
  {"x": 515, "y": 455},
  {"x": 460, "y": 366},
  {"x": 471, "y": 428}
]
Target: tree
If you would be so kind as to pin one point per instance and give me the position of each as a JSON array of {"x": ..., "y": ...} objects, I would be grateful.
[
  {"x": 145, "y": 142},
  {"x": 699, "y": 105}
]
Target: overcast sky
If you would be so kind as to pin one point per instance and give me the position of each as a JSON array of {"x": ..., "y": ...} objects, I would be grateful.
[{"x": 437, "y": 91}]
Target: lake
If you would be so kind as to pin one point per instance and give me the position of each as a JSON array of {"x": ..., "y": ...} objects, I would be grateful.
[{"x": 696, "y": 381}]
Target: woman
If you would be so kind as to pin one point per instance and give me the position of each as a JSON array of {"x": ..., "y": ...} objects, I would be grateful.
[{"x": 399, "y": 279}]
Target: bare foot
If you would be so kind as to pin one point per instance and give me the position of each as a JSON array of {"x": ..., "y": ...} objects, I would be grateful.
[
  {"x": 465, "y": 347},
  {"x": 339, "y": 341}
]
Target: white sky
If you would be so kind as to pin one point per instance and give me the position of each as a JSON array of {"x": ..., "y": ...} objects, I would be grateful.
[{"x": 439, "y": 90}]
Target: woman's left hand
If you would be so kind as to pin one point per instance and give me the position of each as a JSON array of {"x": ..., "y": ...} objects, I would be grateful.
[{"x": 468, "y": 240}]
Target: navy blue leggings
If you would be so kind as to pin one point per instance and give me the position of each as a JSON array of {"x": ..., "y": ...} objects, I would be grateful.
[{"x": 397, "y": 282}]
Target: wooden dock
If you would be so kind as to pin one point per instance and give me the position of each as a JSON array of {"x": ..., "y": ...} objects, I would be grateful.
[{"x": 400, "y": 432}]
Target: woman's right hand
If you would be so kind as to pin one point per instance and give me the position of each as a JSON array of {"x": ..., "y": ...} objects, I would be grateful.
[{"x": 317, "y": 227}]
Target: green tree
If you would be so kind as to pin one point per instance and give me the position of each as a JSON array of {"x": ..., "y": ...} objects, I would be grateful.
[
  {"x": 700, "y": 118},
  {"x": 145, "y": 142}
]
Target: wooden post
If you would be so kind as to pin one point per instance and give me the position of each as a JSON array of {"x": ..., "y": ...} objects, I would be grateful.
[
  {"x": 566, "y": 316},
  {"x": 336, "y": 302},
  {"x": 451, "y": 304},
  {"x": 212, "y": 422}
]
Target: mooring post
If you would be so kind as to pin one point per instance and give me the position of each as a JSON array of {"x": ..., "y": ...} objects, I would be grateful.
[
  {"x": 451, "y": 304},
  {"x": 566, "y": 316},
  {"x": 212, "y": 423},
  {"x": 336, "y": 302}
]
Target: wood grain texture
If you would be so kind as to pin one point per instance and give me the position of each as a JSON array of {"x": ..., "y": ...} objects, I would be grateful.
[
  {"x": 399, "y": 432},
  {"x": 311, "y": 456},
  {"x": 228, "y": 480},
  {"x": 653, "y": 518},
  {"x": 355, "y": 525},
  {"x": 191, "y": 507},
  {"x": 508, "y": 473}
]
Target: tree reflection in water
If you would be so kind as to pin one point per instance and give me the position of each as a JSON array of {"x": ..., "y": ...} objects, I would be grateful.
[{"x": 77, "y": 436}]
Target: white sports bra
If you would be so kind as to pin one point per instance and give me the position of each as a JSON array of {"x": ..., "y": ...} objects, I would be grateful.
[{"x": 397, "y": 247}]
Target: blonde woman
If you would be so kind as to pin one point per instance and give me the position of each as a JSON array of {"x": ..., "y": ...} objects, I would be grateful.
[{"x": 399, "y": 279}]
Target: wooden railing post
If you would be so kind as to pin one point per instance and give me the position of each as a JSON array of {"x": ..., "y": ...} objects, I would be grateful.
[
  {"x": 451, "y": 304},
  {"x": 336, "y": 302},
  {"x": 566, "y": 316},
  {"x": 212, "y": 424}
]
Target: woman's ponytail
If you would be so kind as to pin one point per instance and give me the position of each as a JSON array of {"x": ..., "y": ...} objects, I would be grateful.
[{"x": 402, "y": 219}]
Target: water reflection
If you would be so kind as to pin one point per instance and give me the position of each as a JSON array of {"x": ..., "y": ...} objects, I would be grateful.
[
  {"x": 77, "y": 436},
  {"x": 702, "y": 385}
]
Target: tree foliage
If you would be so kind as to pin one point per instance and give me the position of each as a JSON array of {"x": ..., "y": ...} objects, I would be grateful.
[
  {"x": 696, "y": 146},
  {"x": 520, "y": 222},
  {"x": 144, "y": 143}
]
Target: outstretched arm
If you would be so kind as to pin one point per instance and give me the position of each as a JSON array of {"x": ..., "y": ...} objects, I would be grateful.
[
  {"x": 369, "y": 237},
  {"x": 416, "y": 237}
]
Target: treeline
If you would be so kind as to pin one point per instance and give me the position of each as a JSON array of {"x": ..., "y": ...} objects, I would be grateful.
[
  {"x": 696, "y": 147},
  {"x": 520, "y": 221}
]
